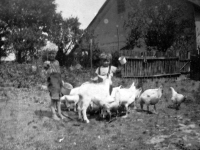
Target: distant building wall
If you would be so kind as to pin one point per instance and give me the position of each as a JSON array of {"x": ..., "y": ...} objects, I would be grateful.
[
  {"x": 110, "y": 33},
  {"x": 108, "y": 26}
]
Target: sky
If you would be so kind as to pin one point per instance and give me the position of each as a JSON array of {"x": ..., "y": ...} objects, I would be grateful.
[{"x": 85, "y": 10}]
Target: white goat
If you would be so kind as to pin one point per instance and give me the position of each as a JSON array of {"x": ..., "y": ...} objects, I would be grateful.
[
  {"x": 72, "y": 98},
  {"x": 177, "y": 98},
  {"x": 128, "y": 96},
  {"x": 150, "y": 97},
  {"x": 110, "y": 106},
  {"x": 114, "y": 90},
  {"x": 97, "y": 93},
  {"x": 107, "y": 107}
]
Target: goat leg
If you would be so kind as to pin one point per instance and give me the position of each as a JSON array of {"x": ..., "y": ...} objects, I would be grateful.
[
  {"x": 79, "y": 112},
  {"x": 155, "y": 111},
  {"x": 126, "y": 107},
  {"x": 85, "y": 116},
  {"x": 109, "y": 115},
  {"x": 147, "y": 107},
  {"x": 75, "y": 107},
  {"x": 177, "y": 106},
  {"x": 141, "y": 106},
  {"x": 135, "y": 107}
]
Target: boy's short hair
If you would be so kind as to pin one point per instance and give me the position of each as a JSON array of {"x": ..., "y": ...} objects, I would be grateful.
[{"x": 104, "y": 56}]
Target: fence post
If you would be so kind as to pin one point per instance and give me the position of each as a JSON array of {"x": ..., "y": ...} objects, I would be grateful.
[
  {"x": 117, "y": 26},
  {"x": 91, "y": 53}
]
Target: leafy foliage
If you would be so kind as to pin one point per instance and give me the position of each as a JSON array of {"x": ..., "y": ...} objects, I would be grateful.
[
  {"x": 88, "y": 42},
  {"x": 21, "y": 75},
  {"x": 135, "y": 24},
  {"x": 66, "y": 34},
  {"x": 30, "y": 22},
  {"x": 3, "y": 36},
  {"x": 160, "y": 23},
  {"x": 24, "y": 19}
]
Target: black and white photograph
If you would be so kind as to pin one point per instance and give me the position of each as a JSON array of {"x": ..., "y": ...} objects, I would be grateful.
[{"x": 99, "y": 74}]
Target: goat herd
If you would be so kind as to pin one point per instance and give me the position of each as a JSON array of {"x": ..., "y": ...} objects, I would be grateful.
[{"x": 95, "y": 95}]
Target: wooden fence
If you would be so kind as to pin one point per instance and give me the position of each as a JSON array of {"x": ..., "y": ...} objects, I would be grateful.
[{"x": 155, "y": 64}]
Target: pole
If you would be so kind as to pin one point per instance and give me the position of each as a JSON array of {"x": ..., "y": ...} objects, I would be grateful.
[
  {"x": 196, "y": 31},
  {"x": 91, "y": 53},
  {"x": 117, "y": 37}
]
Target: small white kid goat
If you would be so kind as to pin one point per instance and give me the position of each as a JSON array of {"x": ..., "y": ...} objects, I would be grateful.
[
  {"x": 108, "y": 107},
  {"x": 150, "y": 97},
  {"x": 72, "y": 98}
]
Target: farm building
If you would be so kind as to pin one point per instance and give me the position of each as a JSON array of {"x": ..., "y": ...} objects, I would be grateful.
[
  {"x": 108, "y": 25},
  {"x": 107, "y": 32}
]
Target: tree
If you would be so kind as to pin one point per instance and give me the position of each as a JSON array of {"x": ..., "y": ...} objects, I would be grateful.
[
  {"x": 66, "y": 34},
  {"x": 160, "y": 23},
  {"x": 26, "y": 20},
  {"x": 26, "y": 41},
  {"x": 3, "y": 39},
  {"x": 30, "y": 22},
  {"x": 135, "y": 24}
]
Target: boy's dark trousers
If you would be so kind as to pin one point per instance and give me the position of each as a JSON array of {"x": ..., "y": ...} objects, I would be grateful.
[
  {"x": 54, "y": 85},
  {"x": 54, "y": 82}
]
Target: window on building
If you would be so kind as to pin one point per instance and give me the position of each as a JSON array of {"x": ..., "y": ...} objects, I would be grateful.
[{"x": 120, "y": 6}]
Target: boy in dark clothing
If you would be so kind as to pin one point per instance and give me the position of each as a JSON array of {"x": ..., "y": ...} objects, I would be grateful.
[{"x": 54, "y": 83}]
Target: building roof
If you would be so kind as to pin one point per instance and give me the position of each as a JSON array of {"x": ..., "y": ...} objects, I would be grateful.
[
  {"x": 195, "y": 2},
  {"x": 99, "y": 12}
]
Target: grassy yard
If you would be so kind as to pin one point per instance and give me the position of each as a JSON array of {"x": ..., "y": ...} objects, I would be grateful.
[{"x": 26, "y": 124}]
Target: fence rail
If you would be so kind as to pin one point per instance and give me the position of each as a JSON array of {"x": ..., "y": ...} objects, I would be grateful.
[{"x": 155, "y": 64}]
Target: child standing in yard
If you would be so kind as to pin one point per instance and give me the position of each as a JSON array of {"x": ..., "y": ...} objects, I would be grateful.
[
  {"x": 105, "y": 68},
  {"x": 54, "y": 83}
]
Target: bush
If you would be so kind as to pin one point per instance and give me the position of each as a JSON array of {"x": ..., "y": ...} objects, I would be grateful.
[
  {"x": 20, "y": 75},
  {"x": 115, "y": 57}
]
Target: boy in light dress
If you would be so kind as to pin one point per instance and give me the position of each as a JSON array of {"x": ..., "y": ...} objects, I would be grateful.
[{"x": 105, "y": 68}]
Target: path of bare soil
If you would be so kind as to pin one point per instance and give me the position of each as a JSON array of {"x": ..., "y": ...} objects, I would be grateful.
[{"x": 26, "y": 124}]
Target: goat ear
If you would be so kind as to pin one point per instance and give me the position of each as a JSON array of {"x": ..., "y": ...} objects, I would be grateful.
[{"x": 133, "y": 84}]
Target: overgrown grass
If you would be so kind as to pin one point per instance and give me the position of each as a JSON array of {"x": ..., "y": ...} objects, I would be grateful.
[{"x": 22, "y": 76}]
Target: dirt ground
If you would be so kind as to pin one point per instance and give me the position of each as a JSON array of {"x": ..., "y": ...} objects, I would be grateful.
[{"x": 26, "y": 124}]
